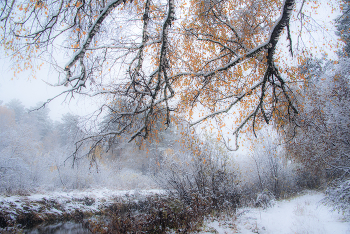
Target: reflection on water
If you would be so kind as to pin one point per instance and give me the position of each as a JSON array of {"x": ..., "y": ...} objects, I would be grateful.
[{"x": 59, "y": 228}]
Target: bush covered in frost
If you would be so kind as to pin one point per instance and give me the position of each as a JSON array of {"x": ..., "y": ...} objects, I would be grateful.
[
  {"x": 152, "y": 214},
  {"x": 265, "y": 199},
  {"x": 206, "y": 174},
  {"x": 338, "y": 196}
]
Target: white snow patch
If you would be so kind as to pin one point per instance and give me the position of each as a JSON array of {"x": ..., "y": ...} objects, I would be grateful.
[
  {"x": 58, "y": 202},
  {"x": 303, "y": 214}
]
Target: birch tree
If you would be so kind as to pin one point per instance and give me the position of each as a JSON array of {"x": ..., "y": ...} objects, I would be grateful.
[{"x": 204, "y": 61}]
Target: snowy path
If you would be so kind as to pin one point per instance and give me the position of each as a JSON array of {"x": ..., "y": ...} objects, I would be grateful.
[{"x": 303, "y": 214}]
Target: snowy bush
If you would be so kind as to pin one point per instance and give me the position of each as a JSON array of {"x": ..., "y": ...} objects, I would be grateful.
[
  {"x": 267, "y": 167},
  {"x": 131, "y": 179},
  {"x": 151, "y": 214},
  {"x": 206, "y": 177},
  {"x": 321, "y": 141},
  {"x": 338, "y": 196},
  {"x": 265, "y": 199}
]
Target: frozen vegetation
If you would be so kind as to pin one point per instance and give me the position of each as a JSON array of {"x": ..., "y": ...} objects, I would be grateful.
[
  {"x": 304, "y": 213},
  {"x": 100, "y": 176},
  {"x": 52, "y": 207}
]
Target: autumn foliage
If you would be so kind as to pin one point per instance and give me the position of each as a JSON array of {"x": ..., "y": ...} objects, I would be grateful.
[{"x": 202, "y": 61}]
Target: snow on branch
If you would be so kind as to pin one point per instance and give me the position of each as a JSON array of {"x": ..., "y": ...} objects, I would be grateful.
[{"x": 94, "y": 29}]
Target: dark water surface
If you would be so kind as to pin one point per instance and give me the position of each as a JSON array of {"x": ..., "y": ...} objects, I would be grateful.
[{"x": 59, "y": 228}]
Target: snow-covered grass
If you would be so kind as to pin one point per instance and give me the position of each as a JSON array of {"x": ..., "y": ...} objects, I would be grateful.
[
  {"x": 302, "y": 214},
  {"x": 62, "y": 204},
  {"x": 88, "y": 199}
]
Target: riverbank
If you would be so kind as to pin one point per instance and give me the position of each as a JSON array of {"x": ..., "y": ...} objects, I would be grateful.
[
  {"x": 71, "y": 210},
  {"x": 26, "y": 212}
]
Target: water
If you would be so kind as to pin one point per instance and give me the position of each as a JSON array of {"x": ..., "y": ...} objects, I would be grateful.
[{"x": 59, "y": 228}]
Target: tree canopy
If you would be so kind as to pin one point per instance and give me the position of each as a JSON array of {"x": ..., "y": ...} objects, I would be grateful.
[
  {"x": 343, "y": 27},
  {"x": 158, "y": 61}
]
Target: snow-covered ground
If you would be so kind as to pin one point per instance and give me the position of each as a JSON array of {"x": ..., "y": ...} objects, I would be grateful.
[
  {"x": 99, "y": 195},
  {"x": 58, "y": 203},
  {"x": 303, "y": 214}
]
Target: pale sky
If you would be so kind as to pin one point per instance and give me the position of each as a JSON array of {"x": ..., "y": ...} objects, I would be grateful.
[{"x": 32, "y": 91}]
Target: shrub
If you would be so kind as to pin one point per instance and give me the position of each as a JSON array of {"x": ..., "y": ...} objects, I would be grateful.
[
  {"x": 153, "y": 214},
  {"x": 338, "y": 196},
  {"x": 206, "y": 175}
]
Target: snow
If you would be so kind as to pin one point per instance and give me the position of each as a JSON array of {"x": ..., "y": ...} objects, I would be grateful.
[
  {"x": 58, "y": 202},
  {"x": 303, "y": 214}
]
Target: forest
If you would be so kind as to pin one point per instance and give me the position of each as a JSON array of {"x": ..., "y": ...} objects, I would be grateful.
[{"x": 213, "y": 115}]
